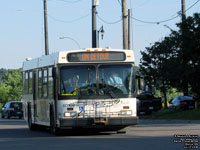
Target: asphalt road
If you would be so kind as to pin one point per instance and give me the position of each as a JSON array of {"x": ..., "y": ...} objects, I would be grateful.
[{"x": 148, "y": 135}]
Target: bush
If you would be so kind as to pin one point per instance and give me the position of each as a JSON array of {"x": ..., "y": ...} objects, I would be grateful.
[{"x": 1, "y": 105}]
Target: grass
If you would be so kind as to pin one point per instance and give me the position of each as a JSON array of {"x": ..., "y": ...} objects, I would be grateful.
[{"x": 193, "y": 114}]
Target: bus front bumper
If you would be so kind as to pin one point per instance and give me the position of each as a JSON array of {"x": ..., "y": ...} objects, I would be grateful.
[{"x": 98, "y": 122}]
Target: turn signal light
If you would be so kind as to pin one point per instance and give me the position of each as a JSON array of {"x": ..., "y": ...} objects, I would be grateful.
[{"x": 126, "y": 107}]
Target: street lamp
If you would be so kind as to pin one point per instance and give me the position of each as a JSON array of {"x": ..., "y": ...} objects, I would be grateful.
[
  {"x": 168, "y": 28},
  {"x": 102, "y": 34},
  {"x": 72, "y": 40}
]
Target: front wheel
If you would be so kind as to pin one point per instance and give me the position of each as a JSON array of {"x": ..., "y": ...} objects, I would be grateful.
[
  {"x": 7, "y": 115},
  {"x": 53, "y": 128},
  {"x": 2, "y": 116}
]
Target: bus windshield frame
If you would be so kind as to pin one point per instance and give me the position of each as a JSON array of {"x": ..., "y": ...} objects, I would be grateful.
[{"x": 96, "y": 81}]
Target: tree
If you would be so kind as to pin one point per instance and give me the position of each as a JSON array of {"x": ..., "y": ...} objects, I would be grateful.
[
  {"x": 192, "y": 52},
  {"x": 13, "y": 82},
  {"x": 155, "y": 64},
  {"x": 3, "y": 93},
  {"x": 175, "y": 62},
  {"x": 2, "y": 74}
]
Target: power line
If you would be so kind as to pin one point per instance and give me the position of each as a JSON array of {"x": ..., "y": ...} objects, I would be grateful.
[
  {"x": 107, "y": 21},
  {"x": 153, "y": 22},
  {"x": 71, "y": 21},
  {"x": 119, "y": 3},
  {"x": 158, "y": 22},
  {"x": 193, "y": 5}
]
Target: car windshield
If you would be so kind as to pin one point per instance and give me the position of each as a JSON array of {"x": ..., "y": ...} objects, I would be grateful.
[
  {"x": 93, "y": 80},
  {"x": 16, "y": 105},
  {"x": 185, "y": 98}
]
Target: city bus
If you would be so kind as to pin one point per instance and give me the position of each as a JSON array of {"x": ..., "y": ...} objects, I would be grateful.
[{"x": 80, "y": 89}]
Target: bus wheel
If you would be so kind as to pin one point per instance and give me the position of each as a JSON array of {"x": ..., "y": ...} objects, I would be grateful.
[
  {"x": 121, "y": 132},
  {"x": 30, "y": 124}
]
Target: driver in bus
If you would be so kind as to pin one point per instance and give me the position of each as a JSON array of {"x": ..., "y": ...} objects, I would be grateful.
[
  {"x": 115, "y": 80},
  {"x": 67, "y": 86}
]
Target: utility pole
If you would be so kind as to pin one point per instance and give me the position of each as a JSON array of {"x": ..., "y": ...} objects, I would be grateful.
[
  {"x": 183, "y": 10},
  {"x": 94, "y": 23},
  {"x": 46, "y": 29},
  {"x": 184, "y": 45},
  {"x": 129, "y": 29},
  {"x": 125, "y": 25}
]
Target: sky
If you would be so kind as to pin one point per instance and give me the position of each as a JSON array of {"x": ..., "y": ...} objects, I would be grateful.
[{"x": 22, "y": 26}]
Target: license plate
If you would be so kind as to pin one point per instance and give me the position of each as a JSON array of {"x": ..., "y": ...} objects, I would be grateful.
[
  {"x": 150, "y": 108},
  {"x": 19, "y": 113}
]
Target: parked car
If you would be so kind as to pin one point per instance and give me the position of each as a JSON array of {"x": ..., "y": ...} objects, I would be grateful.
[
  {"x": 12, "y": 109},
  {"x": 147, "y": 103},
  {"x": 182, "y": 102}
]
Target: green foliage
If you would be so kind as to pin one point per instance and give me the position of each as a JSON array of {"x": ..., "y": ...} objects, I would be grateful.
[
  {"x": 193, "y": 52},
  {"x": 2, "y": 74},
  {"x": 11, "y": 86},
  {"x": 1, "y": 105},
  {"x": 174, "y": 62},
  {"x": 155, "y": 64},
  {"x": 14, "y": 83},
  {"x": 3, "y": 93}
]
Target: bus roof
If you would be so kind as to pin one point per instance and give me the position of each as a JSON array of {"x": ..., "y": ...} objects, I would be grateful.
[{"x": 62, "y": 57}]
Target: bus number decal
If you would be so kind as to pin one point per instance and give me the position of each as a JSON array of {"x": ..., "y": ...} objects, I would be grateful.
[{"x": 68, "y": 105}]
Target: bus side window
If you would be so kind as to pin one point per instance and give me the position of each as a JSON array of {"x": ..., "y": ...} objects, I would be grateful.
[
  {"x": 50, "y": 83},
  {"x": 26, "y": 83},
  {"x": 40, "y": 83},
  {"x": 45, "y": 83},
  {"x": 30, "y": 83}
]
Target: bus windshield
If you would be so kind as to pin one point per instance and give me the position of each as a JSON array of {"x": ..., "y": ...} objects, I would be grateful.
[
  {"x": 78, "y": 80},
  {"x": 96, "y": 80}
]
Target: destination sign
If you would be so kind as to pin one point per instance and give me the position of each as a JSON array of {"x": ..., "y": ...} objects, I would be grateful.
[{"x": 96, "y": 56}]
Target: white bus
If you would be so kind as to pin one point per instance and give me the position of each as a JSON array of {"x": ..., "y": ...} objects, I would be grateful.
[{"x": 80, "y": 89}]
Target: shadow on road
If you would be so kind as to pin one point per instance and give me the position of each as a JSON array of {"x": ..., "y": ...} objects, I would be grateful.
[{"x": 22, "y": 133}]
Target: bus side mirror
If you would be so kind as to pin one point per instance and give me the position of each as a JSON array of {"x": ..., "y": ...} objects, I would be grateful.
[{"x": 141, "y": 84}]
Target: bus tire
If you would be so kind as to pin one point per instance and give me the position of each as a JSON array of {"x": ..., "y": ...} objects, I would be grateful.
[
  {"x": 121, "y": 132},
  {"x": 53, "y": 129},
  {"x": 31, "y": 126}
]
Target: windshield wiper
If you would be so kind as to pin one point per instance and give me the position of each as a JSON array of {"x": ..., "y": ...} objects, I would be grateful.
[{"x": 113, "y": 95}]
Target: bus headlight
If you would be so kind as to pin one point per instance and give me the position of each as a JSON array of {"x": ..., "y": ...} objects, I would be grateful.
[
  {"x": 70, "y": 114},
  {"x": 126, "y": 112}
]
